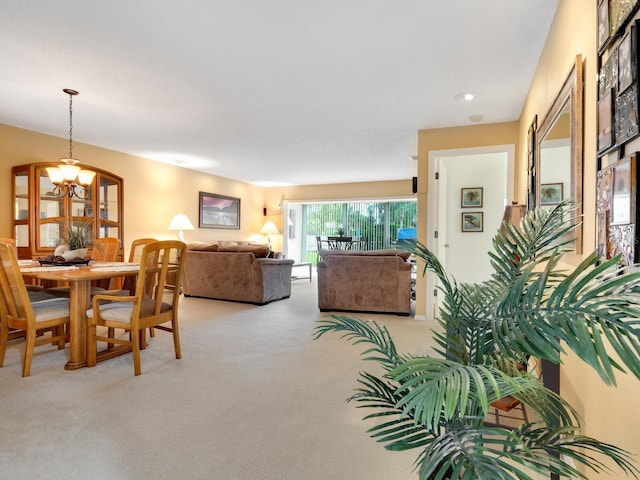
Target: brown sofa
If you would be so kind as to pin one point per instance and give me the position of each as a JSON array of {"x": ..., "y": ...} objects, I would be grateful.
[
  {"x": 365, "y": 281},
  {"x": 235, "y": 271}
]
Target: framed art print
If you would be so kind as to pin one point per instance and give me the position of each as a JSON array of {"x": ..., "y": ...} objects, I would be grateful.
[
  {"x": 605, "y": 122},
  {"x": 603, "y": 23},
  {"x": 625, "y": 63},
  {"x": 472, "y": 222},
  {"x": 471, "y": 197},
  {"x": 219, "y": 211},
  {"x": 551, "y": 193},
  {"x": 623, "y": 192}
]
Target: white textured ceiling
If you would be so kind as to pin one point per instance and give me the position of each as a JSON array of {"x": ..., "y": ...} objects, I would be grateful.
[{"x": 270, "y": 92}]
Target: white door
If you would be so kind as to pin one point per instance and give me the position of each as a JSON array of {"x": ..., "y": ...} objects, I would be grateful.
[{"x": 462, "y": 250}]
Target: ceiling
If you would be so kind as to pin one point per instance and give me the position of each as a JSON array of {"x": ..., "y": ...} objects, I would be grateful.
[{"x": 277, "y": 92}]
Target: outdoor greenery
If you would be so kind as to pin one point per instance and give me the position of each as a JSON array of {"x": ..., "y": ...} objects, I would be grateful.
[
  {"x": 377, "y": 222},
  {"x": 530, "y": 308}
]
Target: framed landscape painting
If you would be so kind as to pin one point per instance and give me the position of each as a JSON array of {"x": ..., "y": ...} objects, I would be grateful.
[
  {"x": 472, "y": 222},
  {"x": 551, "y": 193},
  {"x": 471, "y": 197},
  {"x": 219, "y": 211}
]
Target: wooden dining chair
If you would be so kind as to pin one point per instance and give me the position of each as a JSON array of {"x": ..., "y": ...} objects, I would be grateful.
[
  {"x": 18, "y": 312},
  {"x": 144, "y": 309},
  {"x": 30, "y": 288}
]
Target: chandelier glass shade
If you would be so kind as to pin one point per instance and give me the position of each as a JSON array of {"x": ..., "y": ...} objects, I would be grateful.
[{"x": 68, "y": 178}]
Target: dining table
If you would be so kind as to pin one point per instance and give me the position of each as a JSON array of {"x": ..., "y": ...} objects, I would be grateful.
[{"x": 79, "y": 279}]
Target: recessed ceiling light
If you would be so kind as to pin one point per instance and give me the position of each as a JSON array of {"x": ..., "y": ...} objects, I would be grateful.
[{"x": 464, "y": 97}]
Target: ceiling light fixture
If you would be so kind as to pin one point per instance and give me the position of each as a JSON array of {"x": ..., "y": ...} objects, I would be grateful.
[
  {"x": 70, "y": 179},
  {"x": 464, "y": 97}
]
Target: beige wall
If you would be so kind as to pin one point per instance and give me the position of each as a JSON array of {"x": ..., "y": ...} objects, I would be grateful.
[
  {"x": 473, "y": 136},
  {"x": 154, "y": 192}
]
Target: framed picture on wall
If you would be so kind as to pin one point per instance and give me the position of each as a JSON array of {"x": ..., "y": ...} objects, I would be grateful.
[
  {"x": 603, "y": 23},
  {"x": 551, "y": 193},
  {"x": 626, "y": 62},
  {"x": 471, "y": 197},
  {"x": 472, "y": 222},
  {"x": 219, "y": 211},
  {"x": 623, "y": 193},
  {"x": 605, "y": 122}
]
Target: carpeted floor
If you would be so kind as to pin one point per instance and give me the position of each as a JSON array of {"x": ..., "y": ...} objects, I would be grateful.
[{"x": 253, "y": 397}]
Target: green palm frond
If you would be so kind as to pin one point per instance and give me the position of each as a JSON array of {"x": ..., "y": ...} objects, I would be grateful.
[
  {"x": 488, "y": 453},
  {"x": 530, "y": 307},
  {"x": 382, "y": 349},
  {"x": 586, "y": 310}
]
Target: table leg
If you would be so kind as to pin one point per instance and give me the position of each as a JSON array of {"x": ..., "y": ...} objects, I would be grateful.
[{"x": 79, "y": 299}]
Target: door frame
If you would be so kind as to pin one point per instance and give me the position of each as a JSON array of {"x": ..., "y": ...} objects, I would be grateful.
[{"x": 436, "y": 209}]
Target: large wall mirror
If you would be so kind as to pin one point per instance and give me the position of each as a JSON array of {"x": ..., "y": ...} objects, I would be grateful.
[{"x": 558, "y": 150}]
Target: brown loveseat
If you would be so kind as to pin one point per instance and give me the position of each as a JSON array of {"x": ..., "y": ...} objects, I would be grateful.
[
  {"x": 235, "y": 271},
  {"x": 365, "y": 281}
]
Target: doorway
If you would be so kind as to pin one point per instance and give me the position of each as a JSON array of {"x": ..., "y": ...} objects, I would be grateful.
[{"x": 460, "y": 232}]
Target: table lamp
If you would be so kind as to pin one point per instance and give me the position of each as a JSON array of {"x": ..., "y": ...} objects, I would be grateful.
[
  {"x": 268, "y": 229},
  {"x": 180, "y": 222}
]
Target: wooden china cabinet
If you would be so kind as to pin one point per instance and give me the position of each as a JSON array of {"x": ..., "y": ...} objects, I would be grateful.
[{"x": 39, "y": 215}]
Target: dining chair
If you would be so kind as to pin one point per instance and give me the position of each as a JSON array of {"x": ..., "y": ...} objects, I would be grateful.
[
  {"x": 145, "y": 308},
  {"x": 20, "y": 313},
  {"x": 30, "y": 288}
]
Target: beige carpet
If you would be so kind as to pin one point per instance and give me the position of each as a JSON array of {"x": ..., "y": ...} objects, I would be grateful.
[{"x": 253, "y": 397}]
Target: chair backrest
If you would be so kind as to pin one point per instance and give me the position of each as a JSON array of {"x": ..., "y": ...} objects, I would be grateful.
[
  {"x": 8, "y": 240},
  {"x": 160, "y": 261},
  {"x": 135, "y": 254},
  {"x": 14, "y": 291},
  {"x": 105, "y": 249}
]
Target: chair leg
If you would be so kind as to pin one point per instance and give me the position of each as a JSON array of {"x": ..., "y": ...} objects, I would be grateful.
[
  {"x": 60, "y": 332},
  {"x": 91, "y": 345},
  {"x": 4, "y": 338},
  {"x": 176, "y": 337},
  {"x": 135, "y": 347},
  {"x": 28, "y": 353},
  {"x": 111, "y": 332}
]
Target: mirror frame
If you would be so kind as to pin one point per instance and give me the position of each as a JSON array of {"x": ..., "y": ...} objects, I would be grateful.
[{"x": 572, "y": 91}]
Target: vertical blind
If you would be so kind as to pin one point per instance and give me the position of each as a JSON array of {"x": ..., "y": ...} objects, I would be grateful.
[{"x": 376, "y": 223}]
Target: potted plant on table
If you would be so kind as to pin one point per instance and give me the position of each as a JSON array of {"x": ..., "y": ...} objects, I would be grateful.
[
  {"x": 530, "y": 307},
  {"x": 77, "y": 238}
]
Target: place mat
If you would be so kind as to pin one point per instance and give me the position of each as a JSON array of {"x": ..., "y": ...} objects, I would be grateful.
[
  {"x": 113, "y": 264},
  {"x": 52, "y": 268},
  {"x": 119, "y": 268},
  {"x": 25, "y": 263}
]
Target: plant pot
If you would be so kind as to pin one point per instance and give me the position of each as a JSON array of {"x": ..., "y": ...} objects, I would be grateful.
[{"x": 67, "y": 254}]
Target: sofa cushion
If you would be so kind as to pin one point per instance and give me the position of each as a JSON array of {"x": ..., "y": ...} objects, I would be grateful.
[
  {"x": 202, "y": 246},
  {"x": 368, "y": 253},
  {"x": 259, "y": 251}
]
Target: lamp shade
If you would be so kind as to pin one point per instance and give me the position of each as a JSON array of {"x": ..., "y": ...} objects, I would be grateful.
[
  {"x": 269, "y": 228},
  {"x": 180, "y": 222}
]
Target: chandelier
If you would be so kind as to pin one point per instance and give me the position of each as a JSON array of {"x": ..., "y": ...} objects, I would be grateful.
[{"x": 68, "y": 178}]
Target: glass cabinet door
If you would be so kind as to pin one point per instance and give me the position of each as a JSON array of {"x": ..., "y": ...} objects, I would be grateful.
[
  {"x": 50, "y": 211},
  {"x": 109, "y": 207},
  {"x": 21, "y": 208}
]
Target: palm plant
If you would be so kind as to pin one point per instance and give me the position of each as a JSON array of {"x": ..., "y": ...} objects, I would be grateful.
[{"x": 530, "y": 307}]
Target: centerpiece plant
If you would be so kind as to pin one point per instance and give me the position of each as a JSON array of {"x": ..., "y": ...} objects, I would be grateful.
[{"x": 531, "y": 307}]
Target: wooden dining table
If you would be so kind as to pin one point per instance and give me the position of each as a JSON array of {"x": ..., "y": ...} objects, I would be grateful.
[{"x": 79, "y": 279}]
